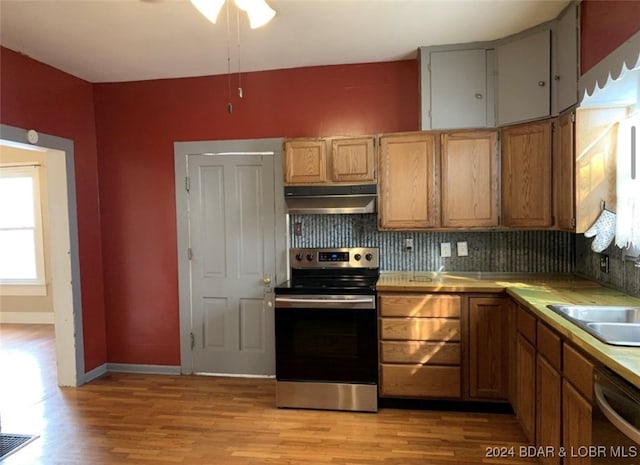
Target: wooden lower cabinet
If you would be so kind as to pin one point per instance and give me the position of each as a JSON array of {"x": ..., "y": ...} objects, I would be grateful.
[
  {"x": 420, "y": 345},
  {"x": 576, "y": 423},
  {"x": 526, "y": 387},
  {"x": 488, "y": 347},
  {"x": 548, "y": 409},
  {"x": 422, "y": 352},
  {"x": 554, "y": 383},
  {"x": 421, "y": 329},
  {"x": 420, "y": 381}
]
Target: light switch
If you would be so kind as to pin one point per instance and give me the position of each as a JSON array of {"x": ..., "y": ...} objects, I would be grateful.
[
  {"x": 445, "y": 249},
  {"x": 463, "y": 249}
]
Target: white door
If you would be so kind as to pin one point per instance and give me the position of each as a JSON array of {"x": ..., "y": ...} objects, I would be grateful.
[{"x": 232, "y": 262}]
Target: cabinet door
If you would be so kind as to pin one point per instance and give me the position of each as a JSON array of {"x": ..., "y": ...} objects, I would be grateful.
[
  {"x": 548, "y": 409},
  {"x": 458, "y": 89},
  {"x": 488, "y": 345},
  {"x": 526, "y": 387},
  {"x": 408, "y": 182},
  {"x": 526, "y": 175},
  {"x": 353, "y": 160},
  {"x": 523, "y": 78},
  {"x": 576, "y": 423},
  {"x": 565, "y": 61},
  {"x": 305, "y": 161},
  {"x": 470, "y": 179},
  {"x": 563, "y": 173},
  {"x": 596, "y": 141}
]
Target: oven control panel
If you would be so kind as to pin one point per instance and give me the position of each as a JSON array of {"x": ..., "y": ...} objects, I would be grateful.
[{"x": 353, "y": 257}]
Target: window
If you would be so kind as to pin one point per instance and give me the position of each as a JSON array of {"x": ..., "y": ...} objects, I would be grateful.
[
  {"x": 628, "y": 186},
  {"x": 21, "y": 243}
]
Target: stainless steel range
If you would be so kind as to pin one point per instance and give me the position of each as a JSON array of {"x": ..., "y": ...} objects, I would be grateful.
[{"x": 326, "y": 330}]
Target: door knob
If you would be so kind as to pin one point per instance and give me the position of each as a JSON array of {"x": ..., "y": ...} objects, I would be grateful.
[{"x": 267, "y": 280}]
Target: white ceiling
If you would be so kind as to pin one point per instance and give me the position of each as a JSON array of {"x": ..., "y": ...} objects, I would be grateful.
[{"x": 129, "y": 40}]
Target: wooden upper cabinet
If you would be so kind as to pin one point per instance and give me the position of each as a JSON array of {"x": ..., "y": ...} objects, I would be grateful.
[
  {"x": 305, "y": 161},
  {"x": 353, "y": 160},
  {"x": 596, "y": 141},
  {"x": 526, "y": 175},
  {"x": 470, "y": 179},
  {"x": 349, "y": 161},
  {"x": 409, "y": 190},
  {"x": 563, "y": 173}
]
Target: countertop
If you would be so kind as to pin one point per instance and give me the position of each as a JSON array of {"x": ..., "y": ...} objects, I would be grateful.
[{"x": 535, "y": 291}]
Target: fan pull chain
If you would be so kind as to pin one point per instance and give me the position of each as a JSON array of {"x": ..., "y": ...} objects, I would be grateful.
[
  {"x": 240, "y": 92},
  {"x": 229, "y": 104}
]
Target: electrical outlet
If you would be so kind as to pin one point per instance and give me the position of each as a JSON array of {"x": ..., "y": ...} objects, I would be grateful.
[
  {"x": 604, "y": 263},
  {"x": 463, "y": 249},
  {"x": 408, "y": 244},
  {"x": 445, "y": 249},
  {"x": 297, "y": 229}
]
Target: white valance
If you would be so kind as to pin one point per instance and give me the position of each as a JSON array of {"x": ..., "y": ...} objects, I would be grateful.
[{"x": 613, "y": 66}]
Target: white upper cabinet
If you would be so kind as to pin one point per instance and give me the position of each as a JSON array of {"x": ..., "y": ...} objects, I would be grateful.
[
  {"x": 524, "y": 70},
  {"x": 565, "y": 60},
  {"x": 457, "y": 90}
]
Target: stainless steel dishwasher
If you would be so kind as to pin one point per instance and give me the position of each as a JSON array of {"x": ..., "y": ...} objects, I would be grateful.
[{"x": 616, "y": 420}]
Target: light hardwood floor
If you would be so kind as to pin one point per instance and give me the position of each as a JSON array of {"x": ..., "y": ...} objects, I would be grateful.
[{"x": 195, "y": 420}]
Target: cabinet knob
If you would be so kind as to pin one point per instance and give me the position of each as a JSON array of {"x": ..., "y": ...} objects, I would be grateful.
[
  {"x": 541, "y": 83},
  {"x": 479, "y": 96}
]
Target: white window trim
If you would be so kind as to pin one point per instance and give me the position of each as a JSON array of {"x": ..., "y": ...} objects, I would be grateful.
[{"x": 37, "y": 287}]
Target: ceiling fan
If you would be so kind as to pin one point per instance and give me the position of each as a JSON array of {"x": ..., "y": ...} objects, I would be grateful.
[{"x": 259, "y": 12}]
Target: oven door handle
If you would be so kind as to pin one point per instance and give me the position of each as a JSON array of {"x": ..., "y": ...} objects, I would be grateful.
[
  {"x": 302, "y": 302},
  {"x": 614, "y": 417}
]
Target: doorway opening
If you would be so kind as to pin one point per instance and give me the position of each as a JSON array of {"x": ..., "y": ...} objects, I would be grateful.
[{"x": 63, "y": 234}]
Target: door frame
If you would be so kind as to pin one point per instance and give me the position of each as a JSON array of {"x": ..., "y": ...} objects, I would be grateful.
[
  {"x": 220, "y": 148},
  {"x": 65, "y": 255}
]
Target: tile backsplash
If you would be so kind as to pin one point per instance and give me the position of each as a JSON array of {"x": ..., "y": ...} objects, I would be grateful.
[
  {"x": 623, "y": 275},
  {"x": 492, "y": 251}
]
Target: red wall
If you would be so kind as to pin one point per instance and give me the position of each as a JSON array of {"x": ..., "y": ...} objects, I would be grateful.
[
  {"x": 137, "y": 124},
  {"x": 605, "y": 25},
  {"x": 37, "y": 96}
]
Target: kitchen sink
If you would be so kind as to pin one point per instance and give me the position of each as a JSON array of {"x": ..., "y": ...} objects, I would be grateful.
[
  {"x": 598, "y": 313},
  {"x": 616, "y": 325},
  {"x": 622, "y": 333}
]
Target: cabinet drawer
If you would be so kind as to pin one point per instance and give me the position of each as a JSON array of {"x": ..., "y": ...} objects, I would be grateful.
[
  {"x": 420, "y": 329},
  {"x": 425, "y": 353},
  {"x": 420, "y": 305},
  {"x": 578, "y": 370},
  {"x": 420, "y": 381},
  {"x": 527, "y": 325},
  {"x": 549, "y": 345}
]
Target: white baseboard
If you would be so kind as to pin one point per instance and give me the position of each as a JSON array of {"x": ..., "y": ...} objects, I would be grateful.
[
  {"x": 30, "y": 318},
  {"x": 144, "y": 369},
  {"x": 130, "y": 368},
  {"x": 95, "y": 373}
]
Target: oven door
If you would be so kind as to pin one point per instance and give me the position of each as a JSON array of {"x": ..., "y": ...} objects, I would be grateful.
[
  {"x": 616, "y": 420},
  {"x": 326, "y": 338}
]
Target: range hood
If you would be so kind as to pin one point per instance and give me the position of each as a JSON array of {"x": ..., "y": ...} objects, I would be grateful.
[{"x": 331, "y": 200}]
